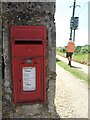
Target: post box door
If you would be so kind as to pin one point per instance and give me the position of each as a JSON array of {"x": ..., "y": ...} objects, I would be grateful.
[{"x": 29, "y": 81}]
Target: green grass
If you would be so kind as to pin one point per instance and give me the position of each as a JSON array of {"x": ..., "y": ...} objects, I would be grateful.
[
  {"x": 60, "y": 53},
  {"x": 82, "y": 58},
  {"x": 74, "y": 71}
]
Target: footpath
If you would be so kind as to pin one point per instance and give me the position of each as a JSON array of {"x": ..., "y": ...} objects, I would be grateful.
[
  {"x": 79, "y": 66},
  {"x": 72, "y": 94},
  {"x": 71, "y": 97}
]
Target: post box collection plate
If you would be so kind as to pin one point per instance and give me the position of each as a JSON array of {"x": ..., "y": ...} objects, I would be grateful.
[
  {"x": 28, "y": 45},
  {"x": 29, "y": 78}
]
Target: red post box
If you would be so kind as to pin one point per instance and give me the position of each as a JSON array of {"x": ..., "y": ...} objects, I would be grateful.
[{"x": 29, "y": 63}]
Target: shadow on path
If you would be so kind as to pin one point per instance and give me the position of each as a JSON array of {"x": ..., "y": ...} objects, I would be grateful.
[
  {"x": 76, "y": 67},
  {"x": 57, "y": 60}
]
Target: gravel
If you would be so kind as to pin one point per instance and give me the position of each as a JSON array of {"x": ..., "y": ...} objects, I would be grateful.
[{"x": 71, "y": 97}]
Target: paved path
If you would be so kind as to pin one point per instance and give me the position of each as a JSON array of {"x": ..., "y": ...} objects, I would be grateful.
[
  {"x": 79, "y": 66},
  {"x": 71, "y": 98}
]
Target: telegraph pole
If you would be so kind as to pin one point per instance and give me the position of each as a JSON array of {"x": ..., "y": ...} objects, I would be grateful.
[
  {"x": 74, "y": 6},
  {"x": 73, "y": 17},
  {"x": 74, "y": 21}
]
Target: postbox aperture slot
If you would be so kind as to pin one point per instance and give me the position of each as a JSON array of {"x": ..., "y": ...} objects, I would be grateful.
[{"x": 22, "y": 42}]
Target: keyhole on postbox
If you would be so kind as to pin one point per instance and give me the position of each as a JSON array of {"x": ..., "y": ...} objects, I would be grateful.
[{"x": 28, "y": 61}]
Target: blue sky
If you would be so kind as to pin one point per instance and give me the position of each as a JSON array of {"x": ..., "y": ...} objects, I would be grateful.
[{"x": 62, "y": 19}]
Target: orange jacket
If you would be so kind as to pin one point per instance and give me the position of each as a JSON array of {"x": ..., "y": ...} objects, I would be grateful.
[{"x": 70, "y": 47}]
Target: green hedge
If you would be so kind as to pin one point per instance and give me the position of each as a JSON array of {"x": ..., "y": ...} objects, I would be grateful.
[{"x": 78, "y": 49}]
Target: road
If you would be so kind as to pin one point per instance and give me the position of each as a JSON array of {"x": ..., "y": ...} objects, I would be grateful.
[{"x": 71, "y": 97}]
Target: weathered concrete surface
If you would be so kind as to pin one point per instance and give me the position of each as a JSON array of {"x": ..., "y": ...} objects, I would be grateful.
[
  {"x": 0, "y": 64},
  {"x": 32, "y": 13}
]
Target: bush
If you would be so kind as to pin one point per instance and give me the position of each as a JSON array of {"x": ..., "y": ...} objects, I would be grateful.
[
  {"x": 88, "y": 48},
  {"x": 62, "y": 49},
  {"x": 78, "y": 49},
  {"x": 83, "y": 49}
]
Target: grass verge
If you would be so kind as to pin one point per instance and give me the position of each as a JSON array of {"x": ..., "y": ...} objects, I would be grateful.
[
  {"x": 81, "y": 58},
  {"x": 77, "y": 73}
]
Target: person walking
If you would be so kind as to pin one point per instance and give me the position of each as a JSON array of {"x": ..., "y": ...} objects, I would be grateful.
[{"x": 70, "y": 49}]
